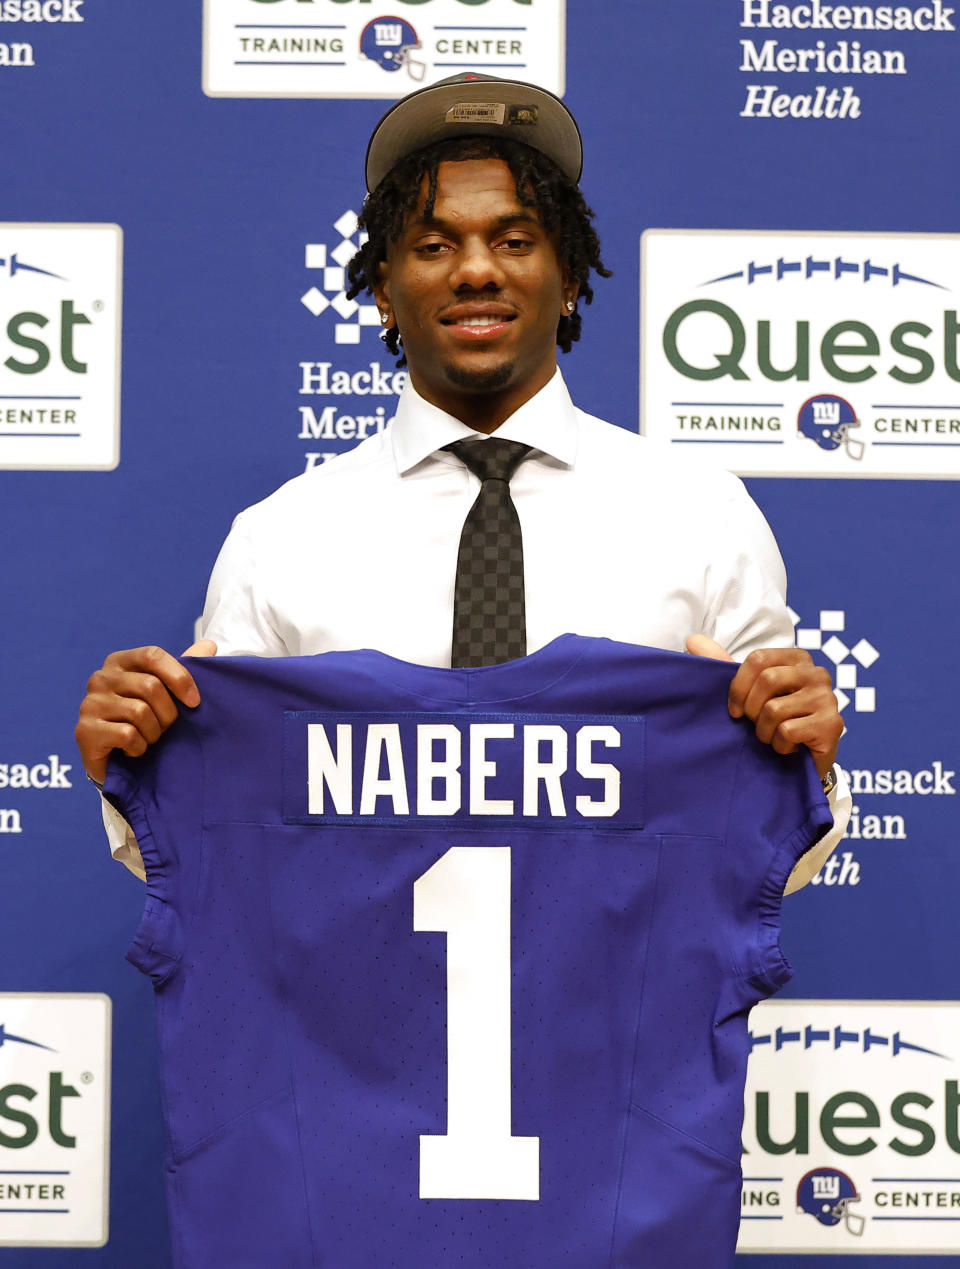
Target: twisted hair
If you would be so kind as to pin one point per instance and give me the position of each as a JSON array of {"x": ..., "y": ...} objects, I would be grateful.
[{"x": 539, "y": 183}]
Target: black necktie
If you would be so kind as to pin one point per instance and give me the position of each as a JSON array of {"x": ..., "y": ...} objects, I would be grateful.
[{"x": 489, "y": 616}]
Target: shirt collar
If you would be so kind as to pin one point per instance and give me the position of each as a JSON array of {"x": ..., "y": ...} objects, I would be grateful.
[{"x": 547, "y": 422}]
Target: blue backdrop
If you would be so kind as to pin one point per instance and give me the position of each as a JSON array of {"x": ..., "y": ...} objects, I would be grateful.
[{"x": 106, "y": 122}]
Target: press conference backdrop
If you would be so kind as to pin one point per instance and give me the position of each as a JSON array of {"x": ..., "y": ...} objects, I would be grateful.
[{"x": 776, "y": 191}]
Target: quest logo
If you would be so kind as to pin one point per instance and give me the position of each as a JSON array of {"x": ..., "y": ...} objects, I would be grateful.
[
  {"x": 60, "y": 296},
  {"x": 54, "y": 1119},
  {"x": 851, "y": 1128},
  {"x": 804, "y": 354}
]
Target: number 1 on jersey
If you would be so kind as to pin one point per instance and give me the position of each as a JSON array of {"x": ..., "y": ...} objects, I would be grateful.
[{"x": 467, "y": 894}]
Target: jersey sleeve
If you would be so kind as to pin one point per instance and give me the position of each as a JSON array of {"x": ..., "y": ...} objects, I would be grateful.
[
  {"x": 841, "y": 803},
  {"x": 778, "y": 811},
  {"x": 167, "y": 832}
]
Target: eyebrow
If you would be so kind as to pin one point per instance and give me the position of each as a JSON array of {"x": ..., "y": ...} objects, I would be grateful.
[{"x": 510, "y": 218}]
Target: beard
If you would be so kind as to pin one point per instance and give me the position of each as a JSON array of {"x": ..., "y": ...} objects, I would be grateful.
[{"x": 489, "y": 379}]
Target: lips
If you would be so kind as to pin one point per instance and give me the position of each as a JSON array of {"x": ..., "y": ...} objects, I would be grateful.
[{"x": 478, "y": 321}]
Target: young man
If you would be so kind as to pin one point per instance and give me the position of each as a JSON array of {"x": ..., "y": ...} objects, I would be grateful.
[
  {"x": 514, "y": 1041},
  {"x": 480, "y": 251}
]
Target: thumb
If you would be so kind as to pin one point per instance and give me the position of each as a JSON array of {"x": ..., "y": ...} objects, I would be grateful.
[
  {"x": 703, "y": 646},
  {"x": 204, "y": 648}
]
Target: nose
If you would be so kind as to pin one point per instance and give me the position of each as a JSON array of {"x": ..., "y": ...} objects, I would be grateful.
[{"x": 476, "y": 268}]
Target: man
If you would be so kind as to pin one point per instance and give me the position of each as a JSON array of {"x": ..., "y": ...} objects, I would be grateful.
[
  {"x": 480, "y": 250},
  {"x": 574, "y": 1080}
]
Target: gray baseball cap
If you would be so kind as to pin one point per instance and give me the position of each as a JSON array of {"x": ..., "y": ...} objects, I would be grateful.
[{"x": 476, "y": 105}]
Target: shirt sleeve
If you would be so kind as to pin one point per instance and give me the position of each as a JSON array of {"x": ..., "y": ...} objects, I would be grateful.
[
  {"x": 236, "y": 614},
  {"x": 746, "y": 579},
  {"x": 120, "y": 836}
]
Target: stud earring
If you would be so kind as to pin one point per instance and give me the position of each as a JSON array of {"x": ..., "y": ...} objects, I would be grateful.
[
  {"x": 570, "y": 306},
  {"x": 384, "y": 318}
]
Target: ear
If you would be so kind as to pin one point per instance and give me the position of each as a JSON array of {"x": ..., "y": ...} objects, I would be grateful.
[
  {"x": 569, "y": 292},
  {"x": 381, "y": 290}
]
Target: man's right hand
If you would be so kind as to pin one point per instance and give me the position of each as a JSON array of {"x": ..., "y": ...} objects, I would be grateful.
[{"x": 131, "y": 701}]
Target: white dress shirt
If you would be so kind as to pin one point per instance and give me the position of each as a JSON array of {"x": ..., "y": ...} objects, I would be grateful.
[{"x": 621, "y": 538}]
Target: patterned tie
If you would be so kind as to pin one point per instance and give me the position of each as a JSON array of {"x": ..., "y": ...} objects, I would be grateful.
[{"x": 489, "y": 618}]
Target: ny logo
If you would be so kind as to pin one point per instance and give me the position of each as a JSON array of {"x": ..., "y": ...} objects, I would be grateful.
[
  {"x": 826, "y": 413},
  {"x": 826, "y": 1187},
  {"x": 388, "y": 33}
]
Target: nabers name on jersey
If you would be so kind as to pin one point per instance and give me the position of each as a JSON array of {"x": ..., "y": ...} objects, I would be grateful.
[{"x": 513, "y": 767}]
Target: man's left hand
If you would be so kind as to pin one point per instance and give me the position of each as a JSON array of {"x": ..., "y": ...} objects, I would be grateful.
[{"x": 787, "y": 696}]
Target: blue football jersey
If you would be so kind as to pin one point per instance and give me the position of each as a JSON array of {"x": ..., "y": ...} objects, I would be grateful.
[{"x": 453, "y": 967}]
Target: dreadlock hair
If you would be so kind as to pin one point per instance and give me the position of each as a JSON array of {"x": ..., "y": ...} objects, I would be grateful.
[{"x": 539, "y": 183}]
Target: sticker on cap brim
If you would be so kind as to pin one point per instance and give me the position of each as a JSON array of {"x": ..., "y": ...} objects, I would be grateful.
[
  {"x": 523, "y": 114},
  {"x": 476, "y": 112}
]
